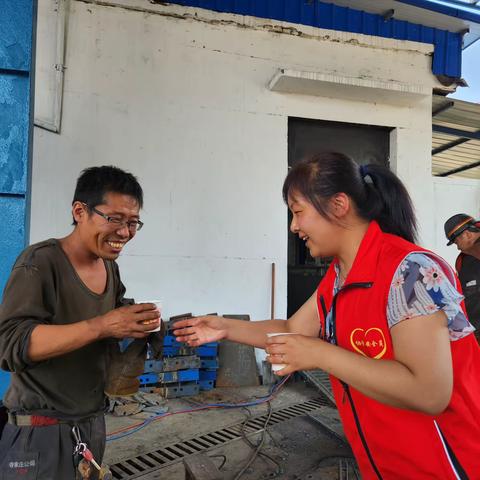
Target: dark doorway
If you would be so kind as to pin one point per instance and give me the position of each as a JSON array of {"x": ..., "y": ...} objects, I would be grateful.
[{"x": 364, "y": 143}]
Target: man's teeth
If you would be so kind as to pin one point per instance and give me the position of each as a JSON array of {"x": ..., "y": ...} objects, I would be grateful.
[
  {"x": 305, "y": 238},
  {"x": 116, "y": 244}
]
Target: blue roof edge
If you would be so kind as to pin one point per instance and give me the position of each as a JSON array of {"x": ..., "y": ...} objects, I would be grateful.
[
  {"x": 448, "y": 7},
  {"x": 447, "y": 56}
]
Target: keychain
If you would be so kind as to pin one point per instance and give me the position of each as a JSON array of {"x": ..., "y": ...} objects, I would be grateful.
[
  {"x": 84, "y": 466},
  {"x": 88, "y": 456}
]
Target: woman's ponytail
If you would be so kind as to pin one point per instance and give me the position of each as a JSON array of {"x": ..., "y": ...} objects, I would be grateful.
[{"x": 388, "y": 202}]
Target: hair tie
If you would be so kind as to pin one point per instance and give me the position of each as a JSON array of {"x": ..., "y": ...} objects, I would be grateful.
[{"x": 365, "y": 175}]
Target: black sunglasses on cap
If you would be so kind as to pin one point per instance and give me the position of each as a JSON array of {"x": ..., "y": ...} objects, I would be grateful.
[{"x": 462, "y": 223}]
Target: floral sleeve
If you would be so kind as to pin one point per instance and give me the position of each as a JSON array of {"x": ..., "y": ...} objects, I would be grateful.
[{"x": 420, "y": 287}]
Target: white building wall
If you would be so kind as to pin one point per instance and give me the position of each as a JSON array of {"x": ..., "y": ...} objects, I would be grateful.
[
  {"x": 452, "y": 196},
  {"x": 179, "y": 97}
]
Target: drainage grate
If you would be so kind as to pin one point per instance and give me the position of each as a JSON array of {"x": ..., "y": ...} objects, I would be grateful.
[
  {"x": 321, "y": 381},
  {"x": 152, "y": 461}
]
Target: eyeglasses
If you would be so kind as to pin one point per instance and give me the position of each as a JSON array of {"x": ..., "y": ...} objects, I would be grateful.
[{"x": 133, "y": 225}]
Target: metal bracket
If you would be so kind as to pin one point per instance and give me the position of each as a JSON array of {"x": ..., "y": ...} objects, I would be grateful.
[{"x": 388, "y": 15}]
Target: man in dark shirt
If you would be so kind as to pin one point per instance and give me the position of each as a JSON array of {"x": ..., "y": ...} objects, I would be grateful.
[
  {"x": 464, "y": 231},
  {"x": 62, "y": 306}
]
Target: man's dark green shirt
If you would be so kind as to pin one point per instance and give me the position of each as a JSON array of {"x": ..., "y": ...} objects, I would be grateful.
[{"x": 44, "y": 289}]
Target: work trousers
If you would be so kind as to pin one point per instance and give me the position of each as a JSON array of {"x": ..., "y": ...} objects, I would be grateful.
[{"x": 46, "y": 452}]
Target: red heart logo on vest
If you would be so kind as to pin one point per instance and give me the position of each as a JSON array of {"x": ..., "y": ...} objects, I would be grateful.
[{"x": 370, "y": 343}]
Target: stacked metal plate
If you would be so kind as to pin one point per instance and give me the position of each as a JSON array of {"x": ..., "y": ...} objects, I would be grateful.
[{"x": 183, "y": 370}]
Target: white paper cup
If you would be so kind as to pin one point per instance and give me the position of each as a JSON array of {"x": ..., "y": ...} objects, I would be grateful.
[
  {"x": 279, "y": 366},
  {"x": 158, "y": 304}
]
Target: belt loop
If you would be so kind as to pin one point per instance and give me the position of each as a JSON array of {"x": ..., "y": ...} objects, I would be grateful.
[{"x": 11, "y": 418}]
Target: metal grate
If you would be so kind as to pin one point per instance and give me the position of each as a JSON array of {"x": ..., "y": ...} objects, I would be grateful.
[
  {"x": 145, "y": 463},
  {"x": 321, "y": 381}
]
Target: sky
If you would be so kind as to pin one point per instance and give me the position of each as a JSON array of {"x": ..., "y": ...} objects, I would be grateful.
[
  {"x": 470, "y": 73},
  {"x": 470, "y": 64}
]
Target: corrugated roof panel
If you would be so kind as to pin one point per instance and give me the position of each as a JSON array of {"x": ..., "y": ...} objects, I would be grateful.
[
  {"x": 307, "y": 13},
  {"x": 453, "y": 60},
  {"x": 439, "y": 57},
  {"x": 448, "y": 45},
  {"x": 354, "y": 21},
  {"x": 457, "y": 123},
  {"x": 457, "y": 158},
  {"x": 428, "y": 34},
  {"x": 454, "y": 121},
  {"x": 369, "y": 24},
  {"x": 291, "y": 9}
]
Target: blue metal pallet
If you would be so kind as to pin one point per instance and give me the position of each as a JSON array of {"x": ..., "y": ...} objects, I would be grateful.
[
  {"x": 177, "y": 374},
  {"x": 174, "y": 391},
  {"x": 169, "y": 377},
  {"x": 209, "y": 362},
  {"x": 208, "y": 375},
  {"x": 172, "y": 364},
  {"x": 179, "y": 351},
  {"x": 206, "y": 384},
  {"x": 171, "y": 341},
  {"x": 203, "y": 351}
]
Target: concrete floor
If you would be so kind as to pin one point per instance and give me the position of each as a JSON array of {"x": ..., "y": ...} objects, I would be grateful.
[{"x": 298, "y": 447}]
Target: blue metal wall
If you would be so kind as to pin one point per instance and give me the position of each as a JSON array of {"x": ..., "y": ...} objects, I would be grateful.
[
  {"x": 17, "y": 26},
  {"x": 447, "y": 57}
]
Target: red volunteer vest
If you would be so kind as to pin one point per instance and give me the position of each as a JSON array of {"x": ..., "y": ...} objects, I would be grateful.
[{"x": 391, "y": 443}]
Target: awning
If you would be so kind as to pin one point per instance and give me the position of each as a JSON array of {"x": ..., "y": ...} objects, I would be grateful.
[{"x": 455, "y": 138}]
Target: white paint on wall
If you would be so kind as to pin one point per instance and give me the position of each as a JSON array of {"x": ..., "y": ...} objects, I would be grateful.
[
  {"x": 452, "y": 196},
  {"x": 184, "y": 105}
]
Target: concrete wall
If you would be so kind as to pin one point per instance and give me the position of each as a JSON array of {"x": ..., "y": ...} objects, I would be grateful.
[
  {"x": 451, "y": 196},
  {"x": 179, "y": 96}
]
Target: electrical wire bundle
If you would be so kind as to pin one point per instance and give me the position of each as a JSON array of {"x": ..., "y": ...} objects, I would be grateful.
[
  {"x": 257, "y": 448},
  {"x": 131, "y": 429}
]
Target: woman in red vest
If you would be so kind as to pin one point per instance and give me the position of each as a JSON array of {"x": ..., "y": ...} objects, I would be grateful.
[{"x": 387, "y": 322}]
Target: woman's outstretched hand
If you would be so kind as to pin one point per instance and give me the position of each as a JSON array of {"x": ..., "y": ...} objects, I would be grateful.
[{"x": 200, "y": 330}]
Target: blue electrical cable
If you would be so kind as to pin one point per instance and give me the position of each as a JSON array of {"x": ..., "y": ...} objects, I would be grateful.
[{"x": 275, "y": 388}]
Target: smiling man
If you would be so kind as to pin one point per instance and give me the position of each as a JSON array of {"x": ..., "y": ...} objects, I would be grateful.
[{"x": 63, "y": 306}]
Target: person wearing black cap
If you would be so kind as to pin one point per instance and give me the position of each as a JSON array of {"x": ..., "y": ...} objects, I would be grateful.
[{"x": 464, "y": 231}]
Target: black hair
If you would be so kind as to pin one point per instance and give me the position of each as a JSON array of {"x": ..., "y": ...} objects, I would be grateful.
[
  {"x": 94, "y": 182},
  {"x": 377, "y": 193}
]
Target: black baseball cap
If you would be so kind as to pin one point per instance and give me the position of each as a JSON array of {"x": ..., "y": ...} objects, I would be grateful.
[{"x": 457, "y": 224}]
